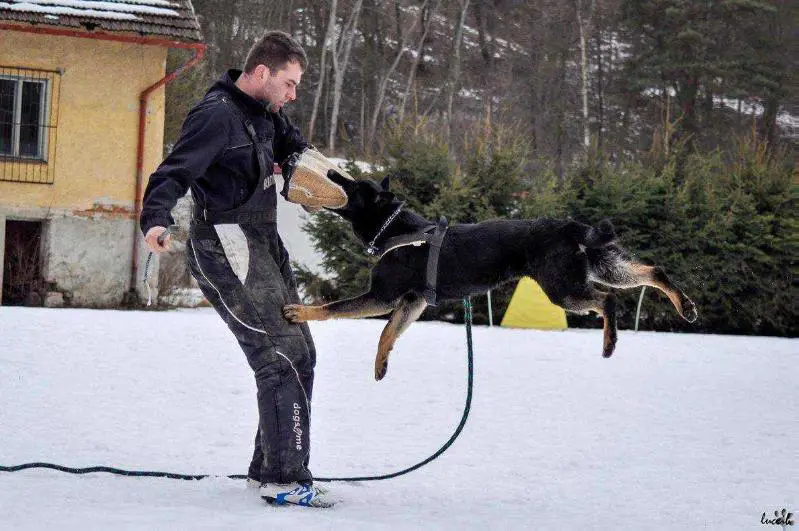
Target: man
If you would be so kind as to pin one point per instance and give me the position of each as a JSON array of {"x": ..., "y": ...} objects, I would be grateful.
[{"x": 225, "y": 154}]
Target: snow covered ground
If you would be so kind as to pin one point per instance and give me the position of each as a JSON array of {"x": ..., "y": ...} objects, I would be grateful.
[{"x": 673, "y": 432}]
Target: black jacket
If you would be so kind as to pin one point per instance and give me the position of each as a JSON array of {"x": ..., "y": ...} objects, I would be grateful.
[{"x": 215, "y": 155}]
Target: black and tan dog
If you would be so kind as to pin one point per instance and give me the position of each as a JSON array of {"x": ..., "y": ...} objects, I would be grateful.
[{"x": 564, "y": 256}]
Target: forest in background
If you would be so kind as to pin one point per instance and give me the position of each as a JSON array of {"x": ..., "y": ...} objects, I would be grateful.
[
  {"x": 572, "y": 76},
  {"x": 678, "y": 120}
]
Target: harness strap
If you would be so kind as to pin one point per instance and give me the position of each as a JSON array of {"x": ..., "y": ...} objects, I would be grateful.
[
  {"x": 259, "y": 150},
  {"x": 432, "y": 261},
  {"x": 263, "y": 169},
  {"x": 416, "y": 239}
]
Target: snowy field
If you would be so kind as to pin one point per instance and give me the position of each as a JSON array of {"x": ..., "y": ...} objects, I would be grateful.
[{"x": 673, "y": 432}]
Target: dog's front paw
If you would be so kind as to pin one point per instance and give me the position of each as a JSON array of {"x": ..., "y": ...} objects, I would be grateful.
[{"x": 296, "y": 313}]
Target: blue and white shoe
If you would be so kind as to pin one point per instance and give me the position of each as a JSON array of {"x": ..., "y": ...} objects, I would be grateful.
[{"x": 296, "y": 494}]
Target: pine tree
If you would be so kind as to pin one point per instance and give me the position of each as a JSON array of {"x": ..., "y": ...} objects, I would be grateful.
[{"x": 698, "y": 50}]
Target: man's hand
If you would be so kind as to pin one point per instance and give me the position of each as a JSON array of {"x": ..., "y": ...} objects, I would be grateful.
[
  {"x": 158, "y": 239},
  {"x": 287, "y": 171}
]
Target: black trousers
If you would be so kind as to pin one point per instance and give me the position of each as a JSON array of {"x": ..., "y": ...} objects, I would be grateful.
[{"x": 244, "y": 272}]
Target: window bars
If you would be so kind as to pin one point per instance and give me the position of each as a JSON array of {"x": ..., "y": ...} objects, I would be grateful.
[{"x": 28, "y": 122}]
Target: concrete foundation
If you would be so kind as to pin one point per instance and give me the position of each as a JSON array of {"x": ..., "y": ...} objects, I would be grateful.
[{"x": 89, "y": 257}]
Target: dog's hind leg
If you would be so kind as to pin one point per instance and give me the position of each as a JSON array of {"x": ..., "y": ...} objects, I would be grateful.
[
  {"x": 603, "y": 304},
  {"x": 656, "y": 277},
  {"x": 408, "y": 310},
  {"x": 364, "y": 305},
  {"x": 633, "y": 274}
]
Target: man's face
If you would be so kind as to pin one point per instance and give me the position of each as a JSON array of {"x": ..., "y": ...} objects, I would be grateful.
[{"x": 280, "y": 86}]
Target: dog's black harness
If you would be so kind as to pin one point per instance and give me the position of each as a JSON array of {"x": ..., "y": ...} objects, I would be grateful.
[
  {"x": 433, "y": 235},
  {"x": 432, "y": 260}
]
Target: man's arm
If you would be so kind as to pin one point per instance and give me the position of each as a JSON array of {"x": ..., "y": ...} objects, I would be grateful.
[{"x": 203, "y": 138}]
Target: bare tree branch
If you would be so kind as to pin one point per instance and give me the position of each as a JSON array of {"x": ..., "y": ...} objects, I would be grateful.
[
  {"x": 381, "y": 91},
  {"x": 329, "y": 37},
  {"x": 417, "y": 57},
  {"x": 341, "y": 59},
  {"x": 455, "y": 65}
]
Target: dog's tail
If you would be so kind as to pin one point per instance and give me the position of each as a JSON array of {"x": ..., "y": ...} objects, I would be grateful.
[{"x": 601, "y": 235}]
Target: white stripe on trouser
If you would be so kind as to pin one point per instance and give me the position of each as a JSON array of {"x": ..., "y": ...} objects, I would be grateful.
[{"x": 219, "y": 293}]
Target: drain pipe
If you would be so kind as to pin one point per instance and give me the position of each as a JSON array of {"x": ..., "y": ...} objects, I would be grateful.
[{"x": 199, "y": 52}]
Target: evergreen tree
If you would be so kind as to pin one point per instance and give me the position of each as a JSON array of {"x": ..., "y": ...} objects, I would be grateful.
[
  {"x": 696, "y": 50},
  {"x": 725, "y": 232}
]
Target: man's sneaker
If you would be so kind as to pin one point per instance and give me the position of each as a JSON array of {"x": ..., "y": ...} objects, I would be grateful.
[
  {"x": 295, "y": 494},
  {"x": 255, "y": 484}
]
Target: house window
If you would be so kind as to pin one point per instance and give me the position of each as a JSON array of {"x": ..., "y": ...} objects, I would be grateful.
[{"x": 27, "y": 124}]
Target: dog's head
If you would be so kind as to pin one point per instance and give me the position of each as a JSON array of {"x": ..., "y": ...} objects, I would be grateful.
[{"x": 368, "y": 204}]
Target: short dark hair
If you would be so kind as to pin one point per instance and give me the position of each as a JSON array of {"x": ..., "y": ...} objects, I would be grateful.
[{"x": 274, "y": 50}]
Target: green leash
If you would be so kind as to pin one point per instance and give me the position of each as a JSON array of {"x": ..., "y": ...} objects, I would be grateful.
[{"x": 467, "y": 310}]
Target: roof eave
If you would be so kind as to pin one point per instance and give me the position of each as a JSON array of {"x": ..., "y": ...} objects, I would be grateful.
[{"x": 129, "y": 37}]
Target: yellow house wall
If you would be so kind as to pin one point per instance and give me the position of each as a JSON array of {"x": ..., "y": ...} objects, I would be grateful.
[
  {"x": 98, "y": 113},
  {"x": 87, "y": 212}
]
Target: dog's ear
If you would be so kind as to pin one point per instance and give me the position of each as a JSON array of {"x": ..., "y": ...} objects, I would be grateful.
[
  {"x": 385, "y": 198},
  {"x": 385, "y": 183}
]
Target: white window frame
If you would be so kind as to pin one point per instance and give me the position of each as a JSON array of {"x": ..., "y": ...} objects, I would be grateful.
[{"x": 16, "y": 118}]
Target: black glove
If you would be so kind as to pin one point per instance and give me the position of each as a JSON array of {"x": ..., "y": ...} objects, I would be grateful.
[{"x": 287, "y": 170}]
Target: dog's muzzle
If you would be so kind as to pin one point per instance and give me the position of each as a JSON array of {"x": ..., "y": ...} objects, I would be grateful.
[{"x": 306, "y": 182}]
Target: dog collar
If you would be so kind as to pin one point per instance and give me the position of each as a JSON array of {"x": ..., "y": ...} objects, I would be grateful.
[{"x": 372, "y": 248}]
